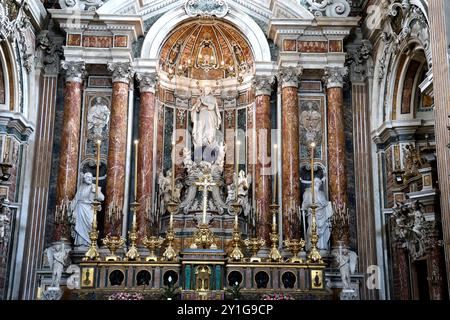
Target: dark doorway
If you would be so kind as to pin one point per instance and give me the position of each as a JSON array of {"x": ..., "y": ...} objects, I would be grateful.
[{"x": 422, "y": 290}]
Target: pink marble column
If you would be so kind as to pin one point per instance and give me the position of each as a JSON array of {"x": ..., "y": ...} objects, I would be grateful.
[
  {"x": 147, "y": 115},
  {"x": 263, "y": 190},
  {"x": 70, "y": 139},
  {"x": 115, "y": 183},
  {"x": 336, "y": 138},
  {"x": 288, "y": 78}
]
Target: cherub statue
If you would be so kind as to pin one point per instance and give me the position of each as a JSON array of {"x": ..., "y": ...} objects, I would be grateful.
[{"x": 57, "y": 257}]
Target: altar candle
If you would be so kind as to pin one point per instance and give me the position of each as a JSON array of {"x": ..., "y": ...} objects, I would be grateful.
[
  {"x": 136, "y": 149},
  {"x": 236, "y": 221},
  {"x": 173, "y": 166},
  {"x": 238, "y": 143},
  {"x": 171, "y": 221},
  {"x": 275, "y": 174},
  {"x": 313, "y": 145},
  {"x": 97, "y": 174}
]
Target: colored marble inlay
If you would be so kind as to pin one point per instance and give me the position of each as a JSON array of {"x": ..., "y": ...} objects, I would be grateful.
[
  {"x": 312, "y": 46},
  {"x": 290, "y": 45},
  {"x": 97, "y": 41},
  {"x": 335, "y": 45},
  {"x": 74, "y": 40},
  {"x": 120, "y": 41}
]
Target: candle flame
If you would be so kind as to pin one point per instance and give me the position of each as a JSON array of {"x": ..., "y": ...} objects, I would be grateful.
[
  {"x": 136, "y": 141},
  {"x": 313, "y": 144}
]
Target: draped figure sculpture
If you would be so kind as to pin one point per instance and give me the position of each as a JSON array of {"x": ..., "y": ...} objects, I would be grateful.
[
  {"x": 324, "y": 211},
  {"x": 81, "y": 208},
  {"x": 206, "y": 120}
]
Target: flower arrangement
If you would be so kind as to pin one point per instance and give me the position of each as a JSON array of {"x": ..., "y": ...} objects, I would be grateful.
[
  {"x": 277, "y": 296},
  {"x": 126, "y": 296}
]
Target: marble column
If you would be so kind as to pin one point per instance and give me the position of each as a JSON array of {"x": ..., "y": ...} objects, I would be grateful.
[
  {"x": 439, "y": 11},
  {"x": 147, "y": 113},
  {"x": 289, "y": 80},
  {"x": 263, "y": 172},
  {"x": 70, "y": 139},
  {"x": 337, "y": 174},
  {"x": 115, "y": 183}
]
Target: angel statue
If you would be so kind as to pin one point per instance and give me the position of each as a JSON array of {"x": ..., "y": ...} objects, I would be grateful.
[
  {"x": 324, "y": 211},
  {"x": 165, "y": 190},
  {"x": 346, "y": 263},
  {"x": 58, "y": 258},
  {"x": 81, "y": 208},
  {"x": 243, "y": 183}
]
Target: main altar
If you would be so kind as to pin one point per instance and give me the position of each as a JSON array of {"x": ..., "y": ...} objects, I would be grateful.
[{"x": 209, "y": 160}]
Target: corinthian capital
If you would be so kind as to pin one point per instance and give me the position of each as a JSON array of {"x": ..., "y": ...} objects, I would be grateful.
[
  {"x": 75, "y": 70},
  {"x": 334, "y": 76},
  {"x": 121, "y": 71},
  {"x": 289, "y": 76},
  {"x": 263, "y": 85},
  {"x": 147, "y": 81}
]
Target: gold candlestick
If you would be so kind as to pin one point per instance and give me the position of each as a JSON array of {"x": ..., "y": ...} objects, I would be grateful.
[
  {"x": 274, "y": 254},
  {"x": 136, "y": 148},
  {"x": 314, "y": 254},
  {"x": 170, "y": 253},
  {"x": 92, "y": 254},
  {"x": 133, "y": 253},
  {"x": 236, "y": 254}
]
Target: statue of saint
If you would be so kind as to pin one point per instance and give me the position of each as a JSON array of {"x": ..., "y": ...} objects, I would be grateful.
[
  {"x": 81, "y": 207},
  {"x": 324, "y": 211},
  {"x": 98, "y": 118},
  {"x": 206, "y": 118},
  {"x": 346, "y": 263}
]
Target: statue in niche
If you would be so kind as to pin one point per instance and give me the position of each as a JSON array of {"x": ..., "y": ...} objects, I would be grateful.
[
  {"x": 243, "y": 183},
  {"x": 57, "y": 258},
  {"x": 324, "y": 211},
  {"x": 311, "y": 124},
  {"x": 206, "y": 119},
  {"x": 174, "y": 53},
  {"x": 81, "y": 208},
  {"x": 98, "y": 119}
]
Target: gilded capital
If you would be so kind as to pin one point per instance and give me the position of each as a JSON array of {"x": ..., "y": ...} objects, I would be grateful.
[
  {"x": 263, "y": 85},
  {"x": 290, "y": 76},
  {"x": 147, "y": 81},
  {"x": 121, "y": 71},
  {"x": 334, "y": 76},
  {"x": 75, "y": 70}
]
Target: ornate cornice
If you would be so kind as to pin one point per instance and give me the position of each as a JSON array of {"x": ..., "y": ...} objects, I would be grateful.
[
  {"x": 334, "y": 77},
  {"x": 121, "y": 71},
  {"x": 147, "y": 82},
  {"x": 75, "y": 70},
  {"x": 289, "y": 76},
  {"x": 263, "y": 85}
]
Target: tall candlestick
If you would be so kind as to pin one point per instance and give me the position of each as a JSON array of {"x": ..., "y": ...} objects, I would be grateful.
[
  {"x": 173, "y": 168},
  {"x": 97, "y": 174},
  {"x": 275, "y": 174},
  {"x": 171, "y": 221},
  {"x": 136, "y": 148},
  {"x": 313, "y": 145},
  {"x": 238, "y": 143}
]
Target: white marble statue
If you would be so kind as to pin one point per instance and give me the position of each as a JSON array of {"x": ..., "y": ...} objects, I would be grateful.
[
  {"x": 206, "y": 120},
  {"x": 98, "y": 118},
  {"x": 4, "y": 218},
  {"x": 243, "y": 183},
  {"x": 324, "y": 211},
  {"x": 57, "y": 257},
  {"x": 346, "y": 263},
  {"x": 165, "y": 190},
  {"x": 81, "y": 208}
]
